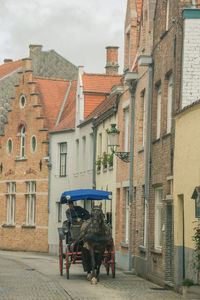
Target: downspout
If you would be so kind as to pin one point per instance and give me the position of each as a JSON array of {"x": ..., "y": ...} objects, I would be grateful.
[
  {"x": 49, "y": 165},
  {"x": 94, "y": 128},
  {"x": 132, "y": 90},
  {"x": 147, "y": 158}
]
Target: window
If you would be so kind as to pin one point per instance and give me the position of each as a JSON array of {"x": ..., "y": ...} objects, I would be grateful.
[
  {"x": 126, "y": 215},
  {"x": 91, "y": 150},
  {"x": 22, "y": 141},
  {"x": 128, "y": 48},
  {"x": 158, "y": 112},
  {"x": 143, "y": 117},
  {"x": 158, "y": 218},
  {"x": 145, "y": 217},
  {"x": 167, "y": 16},
  {"x": 30, "y": 202},
  {"x": 9, "y": 146},
  {"x": 22, "y": 101},
  {"x": 11, "y": 199},
  {"x": 84, "y": 153},
  {"x": 33, "y": 143},
  {"x": 169, "y": 104},
  {"x": 126, "y": 129},
  {"x": 77, "y": 155},
  {"x": 63, "y": 159},
  {"x": 59, "y": 212},
  {"x": 100, "y": 144}
]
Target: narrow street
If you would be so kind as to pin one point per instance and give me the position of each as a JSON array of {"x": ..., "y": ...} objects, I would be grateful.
[{"x": 27, "y": 276}]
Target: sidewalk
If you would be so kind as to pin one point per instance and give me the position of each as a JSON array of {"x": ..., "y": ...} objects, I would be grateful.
[{"x": 31, "y": 276}]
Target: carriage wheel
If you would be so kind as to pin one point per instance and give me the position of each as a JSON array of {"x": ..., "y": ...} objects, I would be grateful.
[
  {"x": 67, "y": 261},
  {"x": 61, "y": 256},
  {"x": 107, "y": 264},
  {"x": 113, "y": 264}
]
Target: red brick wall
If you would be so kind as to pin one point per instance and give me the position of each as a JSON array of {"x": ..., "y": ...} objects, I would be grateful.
[{"x": 18, "y": 237}]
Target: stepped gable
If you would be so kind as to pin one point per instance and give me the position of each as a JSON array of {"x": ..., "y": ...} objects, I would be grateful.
[
  {"x": 95, "y": 89},
  {"x": 68, "y": 116},
  {"x": 52, "y": 93},
  {"x": 10, "y": 67}
]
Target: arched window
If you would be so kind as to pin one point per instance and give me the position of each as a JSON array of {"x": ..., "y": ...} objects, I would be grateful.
[
  {"x": 22, "y": 144},
  {"x": 9, "y": 146},
  {"x": 33, "y": 144}
]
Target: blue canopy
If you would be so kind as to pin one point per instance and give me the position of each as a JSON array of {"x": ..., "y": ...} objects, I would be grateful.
[{"x": 84, "y": 194}]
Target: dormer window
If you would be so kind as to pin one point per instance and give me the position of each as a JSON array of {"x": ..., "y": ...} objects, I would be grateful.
[{"x": 22, "y": 101}]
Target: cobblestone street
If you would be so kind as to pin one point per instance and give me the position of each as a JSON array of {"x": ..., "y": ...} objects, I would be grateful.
[{"x": 31, "y": 276}]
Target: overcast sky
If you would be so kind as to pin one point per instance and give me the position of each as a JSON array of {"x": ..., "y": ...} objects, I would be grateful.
[{"x": 79, "y": 30}]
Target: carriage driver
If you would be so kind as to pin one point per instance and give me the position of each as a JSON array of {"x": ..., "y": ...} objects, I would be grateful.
[{"x": 76, "y": 213}]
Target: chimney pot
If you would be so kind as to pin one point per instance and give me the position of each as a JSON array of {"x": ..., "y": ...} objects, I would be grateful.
[
  {"x": 7, "y": 60},
  {"x": 112, "y": 60}
]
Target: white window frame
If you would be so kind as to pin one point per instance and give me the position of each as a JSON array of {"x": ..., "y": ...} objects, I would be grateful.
[
  {"x": 158, "y": 218},
  {"x": 126, "y": 225},
  {"x": 30, "y": 203},
  {"x": 169, "y": 104},
  {"x": 159, "y": 98},
  {"x": 91, "y": 149},
  {"x": 167, "y": 16},
  {"x": 84, "y": 163},
  {"x": 63, "y": 159},
  {"x": 20, "y": 101},
  {"x": 126, "y": 129},
  {"x": 22, "y": 141},
  {"x": 11, "y": 203},
  {"x": 100, "y": 145}
]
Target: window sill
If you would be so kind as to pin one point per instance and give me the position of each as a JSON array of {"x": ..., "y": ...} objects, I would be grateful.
[
  {"x": 156, "y": 141},
  {"x": 156, "y": 251},
  {"x": 19, "y": 158},
  {"x": 124, "y": 245},
  {"x": 142, "y": 249},
  {"x": 28, "y": 226},
  {"x": 141, "y": 150},
  {"x": 166, "y": 135},
  {"x": 8, "y": 225}
]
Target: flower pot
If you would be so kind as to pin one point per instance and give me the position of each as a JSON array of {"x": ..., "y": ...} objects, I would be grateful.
[{"x": 191, "y": 292}]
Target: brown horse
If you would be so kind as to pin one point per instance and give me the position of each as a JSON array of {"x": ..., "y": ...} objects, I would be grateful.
[{"x": 95, "y": 238}]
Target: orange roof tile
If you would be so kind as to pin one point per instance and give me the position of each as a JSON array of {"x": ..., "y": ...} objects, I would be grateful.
[
  {"x": 67, "y": 120},
  {"x": 10, "y": 67},
  {"x": 52, "y": 93},
  {"x": 94, "y": 84}
]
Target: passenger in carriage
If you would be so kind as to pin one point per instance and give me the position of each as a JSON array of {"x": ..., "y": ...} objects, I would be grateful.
[{"x": 76, "y": 213}]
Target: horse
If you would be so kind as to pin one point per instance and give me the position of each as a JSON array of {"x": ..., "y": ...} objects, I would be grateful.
[{"x": 95, "y": 236}]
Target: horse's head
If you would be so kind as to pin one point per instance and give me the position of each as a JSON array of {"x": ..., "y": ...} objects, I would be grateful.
[{"x": 97, "y": 217}]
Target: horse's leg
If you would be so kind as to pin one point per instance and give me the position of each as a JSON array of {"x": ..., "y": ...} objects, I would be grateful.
[
  {"x": 99, "y": 260},
  {"x": 93, "y": 280}
]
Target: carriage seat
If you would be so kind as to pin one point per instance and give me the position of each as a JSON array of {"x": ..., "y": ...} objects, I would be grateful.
[{"x": 75, "y": 229}]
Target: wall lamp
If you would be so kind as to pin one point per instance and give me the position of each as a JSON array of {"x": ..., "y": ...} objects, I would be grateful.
[{"x": 113, "y": 143}]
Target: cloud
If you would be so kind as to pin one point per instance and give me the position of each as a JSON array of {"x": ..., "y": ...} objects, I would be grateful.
[{"x": 79, "y": 30}]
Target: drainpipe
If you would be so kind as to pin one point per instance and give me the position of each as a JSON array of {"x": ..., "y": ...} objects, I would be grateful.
[
  {"x": 131, "y": 177},
  {"x": 49, "y": 165},
  {"x": 147, "y": 155},
  {"x": 94, "y": 128}
]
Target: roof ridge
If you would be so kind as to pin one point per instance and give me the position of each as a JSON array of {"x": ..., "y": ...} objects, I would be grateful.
[
  {"x": 53, "y": 79},
  {"x": 105, "y": 75},
  {"x": 11, "y": 62}
]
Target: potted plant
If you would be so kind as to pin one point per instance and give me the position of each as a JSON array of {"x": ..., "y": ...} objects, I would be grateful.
[
  {"x": 105, "y": 160},
  {"x": 98, "y": 163},
  {"x": 110, "y": 160}
]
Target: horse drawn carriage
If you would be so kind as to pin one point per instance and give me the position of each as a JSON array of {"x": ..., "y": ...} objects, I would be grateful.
[{"x": 89, "y": 243}]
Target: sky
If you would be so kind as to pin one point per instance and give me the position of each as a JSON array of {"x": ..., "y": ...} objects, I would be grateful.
[{"x": 79, "y": 30}]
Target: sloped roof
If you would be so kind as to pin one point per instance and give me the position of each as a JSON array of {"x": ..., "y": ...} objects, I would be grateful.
[
  {"x": 67, "y": 120},
  {"x": 95, "y": 88},
  {"x": 9, "y": 68},
  {"x": 104, "y": 106},
  {"x": 52, "y": 93}
]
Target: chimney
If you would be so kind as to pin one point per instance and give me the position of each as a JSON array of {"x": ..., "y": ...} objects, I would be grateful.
[
  {"x": 35, "y": 48},
  {"x": 7, "y": 60},
  {"x": 112, "y": 60}
]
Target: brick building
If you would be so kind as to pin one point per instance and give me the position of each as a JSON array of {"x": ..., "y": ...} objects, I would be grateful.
[
  {"x": 167, "y": 51},
  {"x": 24, "y": 151}
]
